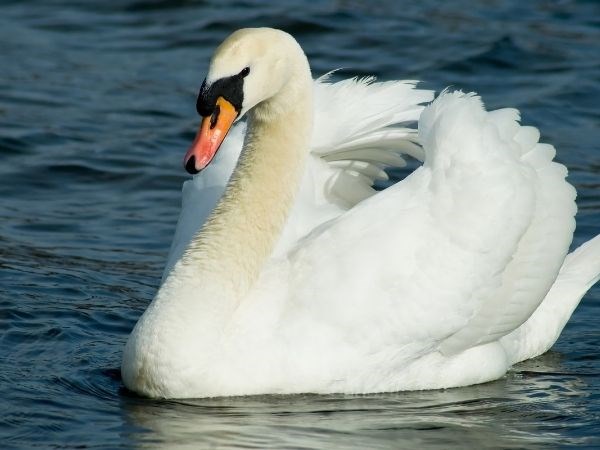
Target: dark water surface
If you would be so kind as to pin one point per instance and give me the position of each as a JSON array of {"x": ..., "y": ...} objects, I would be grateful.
[{"x": 96, "y": 111}]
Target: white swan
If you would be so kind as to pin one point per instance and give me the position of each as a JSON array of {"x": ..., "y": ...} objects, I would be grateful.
[{"x": 302, "y": 278}]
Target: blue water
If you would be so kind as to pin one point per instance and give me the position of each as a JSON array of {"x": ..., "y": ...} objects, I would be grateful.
[{"x": 96, "y": 110}]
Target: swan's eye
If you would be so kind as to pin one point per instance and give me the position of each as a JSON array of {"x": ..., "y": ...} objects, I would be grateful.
[{"x": 245, "y": 71}]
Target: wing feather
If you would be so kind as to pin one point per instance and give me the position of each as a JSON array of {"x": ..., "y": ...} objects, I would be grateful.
[{"x": 360, "y": 120}]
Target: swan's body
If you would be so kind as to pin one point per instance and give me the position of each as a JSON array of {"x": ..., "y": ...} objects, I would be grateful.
[{"x": 295, "y": 276}]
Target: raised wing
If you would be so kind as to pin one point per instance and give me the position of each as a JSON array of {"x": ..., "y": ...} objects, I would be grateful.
[
  {"x": 537, "y": 250},
  {"x": 361, "y": 129},
  {"x": 458, "y": 254}
]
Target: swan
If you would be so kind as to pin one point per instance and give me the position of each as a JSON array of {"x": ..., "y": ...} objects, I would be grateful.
[{"x": 289, "y": 273}]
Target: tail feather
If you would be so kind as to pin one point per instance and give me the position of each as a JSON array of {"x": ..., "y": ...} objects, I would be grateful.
[{"x": 579, "y": 272}]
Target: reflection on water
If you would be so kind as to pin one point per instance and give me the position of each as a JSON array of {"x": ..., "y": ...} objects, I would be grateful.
[
  {"x": 96, "y": 110},
  {"x": 527, "y": 408}
]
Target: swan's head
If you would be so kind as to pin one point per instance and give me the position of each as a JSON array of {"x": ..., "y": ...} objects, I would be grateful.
[{"x": 249, "y": 68}]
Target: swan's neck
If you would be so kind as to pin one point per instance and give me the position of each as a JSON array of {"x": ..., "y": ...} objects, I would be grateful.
[{"x": 237, "y": 239}]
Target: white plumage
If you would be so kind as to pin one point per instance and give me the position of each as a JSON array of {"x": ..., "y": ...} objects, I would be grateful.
[{"x": 443, "y": 279}]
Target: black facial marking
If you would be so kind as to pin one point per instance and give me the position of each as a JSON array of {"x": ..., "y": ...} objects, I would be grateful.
[{"x": 230, "y": 88}]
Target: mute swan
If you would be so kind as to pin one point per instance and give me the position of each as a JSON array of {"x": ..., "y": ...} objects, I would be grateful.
[{"x": 302, "y": 278}]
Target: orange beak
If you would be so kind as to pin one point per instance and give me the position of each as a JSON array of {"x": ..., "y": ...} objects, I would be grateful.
[{"x": 211, "y": 134}]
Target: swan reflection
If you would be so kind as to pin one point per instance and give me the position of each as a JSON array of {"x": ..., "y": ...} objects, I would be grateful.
[{"x": 531, "y": 406}]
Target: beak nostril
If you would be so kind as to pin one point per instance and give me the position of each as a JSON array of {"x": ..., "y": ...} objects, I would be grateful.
[
  {"x": 215, "y": 116},
  {"x": 190, "y": 165}
]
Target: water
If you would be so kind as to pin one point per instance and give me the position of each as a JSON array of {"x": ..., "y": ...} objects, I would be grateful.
[{"x": 96, "y": 110}]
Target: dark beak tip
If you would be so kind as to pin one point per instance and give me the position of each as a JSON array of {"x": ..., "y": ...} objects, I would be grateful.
[{"x": 190, "y": 166}]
